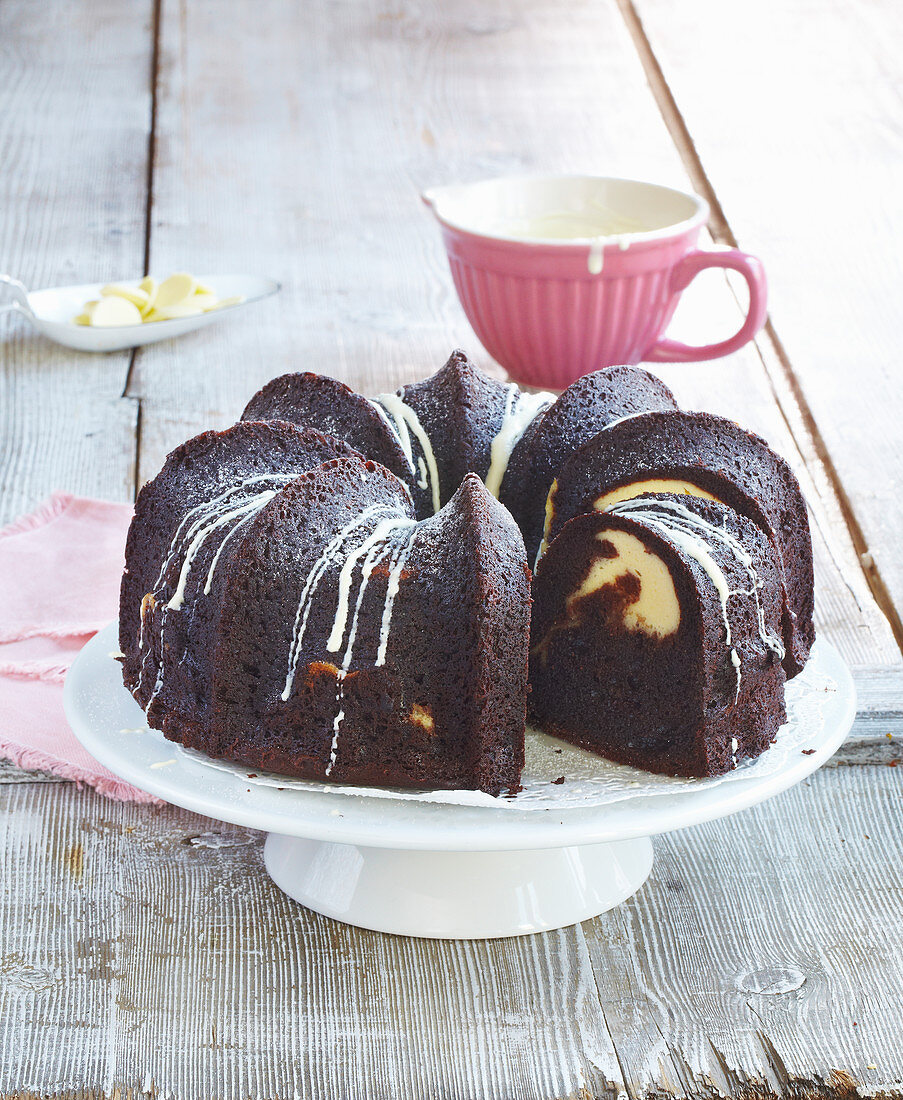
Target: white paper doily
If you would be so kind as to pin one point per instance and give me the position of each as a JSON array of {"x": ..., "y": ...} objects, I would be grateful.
[{"x": 589, "y": 780}]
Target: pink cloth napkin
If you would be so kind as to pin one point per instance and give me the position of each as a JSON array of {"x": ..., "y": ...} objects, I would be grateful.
[{"x": 59, "y": 584}]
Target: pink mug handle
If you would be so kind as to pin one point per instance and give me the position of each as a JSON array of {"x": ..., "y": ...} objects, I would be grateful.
[{"x": 673, "y": 351}]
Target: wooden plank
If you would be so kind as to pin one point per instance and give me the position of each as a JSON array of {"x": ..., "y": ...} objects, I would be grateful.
[
  {"x": 74, "y": 117},
  {"x": 167, "y": 963},
  {"x": 826, "y": 222},
  {"x": 367, "y": 293},
  {"x": 312, "y": 171},
  {"x": 764, "y": 951}
]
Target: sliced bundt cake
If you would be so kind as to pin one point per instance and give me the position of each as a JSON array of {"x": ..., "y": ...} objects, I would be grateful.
[{"x": 328, "y": 589}]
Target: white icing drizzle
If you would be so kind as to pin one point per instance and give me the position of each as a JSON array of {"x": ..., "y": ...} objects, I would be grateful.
[
  {"x": 689, "y": 531},
  {"x": 377, "y": 538},
  {"x": 520, "y": 409},
  {"x": 337, "y": 721},
  {"x": 596, "y": 256},
  {"x": 195, "y": 528},
  {"x": 403, "y": 420},
  {"x": 242, "y": 512},
  {"x": 376, "y": 554},
  {"x": 376, "y": 547},
  {"x": 200, "y": 522},
  {"x": 395, "y": 571},
  {"x": 735, "y": 661},
  {"x": 330, "y": 554}
]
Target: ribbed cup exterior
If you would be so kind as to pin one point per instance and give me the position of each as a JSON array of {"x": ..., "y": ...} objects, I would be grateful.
[{"x": 538, "y": 310}]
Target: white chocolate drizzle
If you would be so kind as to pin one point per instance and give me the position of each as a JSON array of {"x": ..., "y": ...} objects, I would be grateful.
[
  {"x": 361, "y": 547},
  {"x": 376, "y": 539},
  {"x": 520, "y": 410},
  {"x": 378, "y": 549},
  {"x": 689, "y": 532},
  {"x": 241, "y": 512},
  {"x": 330, "y": 554},
  {"x": 236, "y": 505},
  {"x": 402, "y": 419},
  {"x": 238, "y": 502}
]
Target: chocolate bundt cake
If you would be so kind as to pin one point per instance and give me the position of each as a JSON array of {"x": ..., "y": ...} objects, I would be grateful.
[
  {"x": 292, "y": 625},
  {"x": 656, "y": 637},
  {"x": 330, "y": 588},
  {"x": 703, "y": 455}
]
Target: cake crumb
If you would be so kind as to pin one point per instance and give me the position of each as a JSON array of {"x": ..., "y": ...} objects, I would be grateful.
[
  {"x": 560, "y": 779},
  {"x": 808, "y": 752}
]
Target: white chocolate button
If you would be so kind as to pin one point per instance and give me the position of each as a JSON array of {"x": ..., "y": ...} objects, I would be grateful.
[
  {"x": 132, "y": 294},
  {"x": 181, "y": 295},
  {"x": 175, "y": 289},
  {"x": 204, "y": 301},
  {"x": 180, "y": 309},
  {"x": 113, "y": 312}
]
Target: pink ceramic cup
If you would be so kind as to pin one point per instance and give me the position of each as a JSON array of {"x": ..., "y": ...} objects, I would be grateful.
[{"x": 562, "y": 275}]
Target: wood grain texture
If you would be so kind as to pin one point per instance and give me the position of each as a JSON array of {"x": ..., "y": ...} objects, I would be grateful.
[
  {"x": 146, "y": 949},
  {"x": 826, "y": 221},
  {"x": 74, "y": 117},
  {"x": 169, "y": 962},
  {"x": 337, "y": 115}
]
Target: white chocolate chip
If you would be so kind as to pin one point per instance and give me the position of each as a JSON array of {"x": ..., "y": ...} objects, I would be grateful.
[
  {"x": 175, "y": 289},
  {"x": 181, "y": 295},
  {"x": 113, "y": 312}
]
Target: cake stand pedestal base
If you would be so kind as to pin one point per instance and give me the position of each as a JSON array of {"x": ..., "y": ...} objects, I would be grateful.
[{"x": 457, "y": 895}]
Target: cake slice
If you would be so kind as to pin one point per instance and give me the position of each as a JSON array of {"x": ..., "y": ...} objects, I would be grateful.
[
  {"x": 656, "y": 636},
  {"x": 707, "y": 456}
]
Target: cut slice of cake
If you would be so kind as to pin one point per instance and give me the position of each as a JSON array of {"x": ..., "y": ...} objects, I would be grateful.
[{"x": 656, "y": 636}]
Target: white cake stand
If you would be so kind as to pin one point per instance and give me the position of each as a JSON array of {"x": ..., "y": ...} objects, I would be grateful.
[{"x": 424, "y": 868}]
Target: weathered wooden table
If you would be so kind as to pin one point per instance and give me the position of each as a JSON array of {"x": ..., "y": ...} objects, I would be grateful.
[{"x": 144, "y": 951}]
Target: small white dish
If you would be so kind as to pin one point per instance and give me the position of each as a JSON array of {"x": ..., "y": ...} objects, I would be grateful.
[
  {"x": 51, "y": 312},
  {"x": 432, "y": 869}
]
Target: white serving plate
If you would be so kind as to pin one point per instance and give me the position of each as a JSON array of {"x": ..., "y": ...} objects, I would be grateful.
[
  {"x": 417, "y": 866},
  {"x": 51, "y": 311}
]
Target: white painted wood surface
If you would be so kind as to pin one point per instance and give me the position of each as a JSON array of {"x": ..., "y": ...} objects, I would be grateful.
[
  {"x": 74, "y": 118},
  {"x": 145, "y": 951},
  {"x": 815, "y": 89}
]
